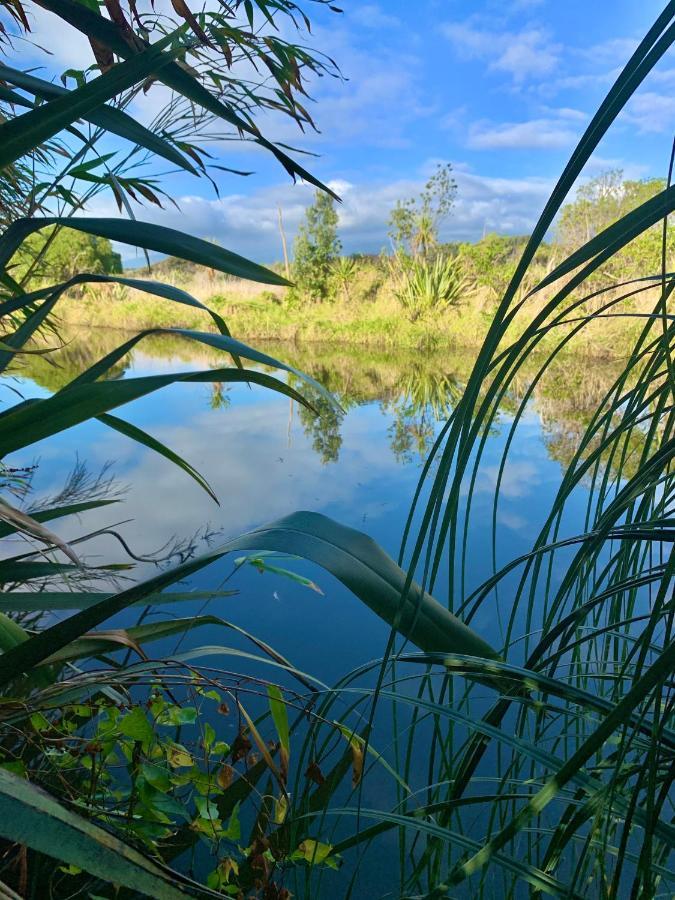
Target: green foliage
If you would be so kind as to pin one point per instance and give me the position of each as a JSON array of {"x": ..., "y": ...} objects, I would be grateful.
[
  {"x": 425, "y": 287},
  {"x": 491, "y": 262},
  {"x": 601, "y": 202},
  {"x": 59, "y": 254},
  {"x": 414, "y": 224},
  {"x": 344, "y": 271},
  {"x": 316, "y": 251}
]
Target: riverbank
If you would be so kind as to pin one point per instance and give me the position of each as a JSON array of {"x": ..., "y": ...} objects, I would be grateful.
[
  {"x": 268, "y": 317},
  {"x": 364, "y": 320}
]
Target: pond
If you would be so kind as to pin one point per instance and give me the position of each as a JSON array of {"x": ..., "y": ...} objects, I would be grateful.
[{"x": 265, "y": 457}]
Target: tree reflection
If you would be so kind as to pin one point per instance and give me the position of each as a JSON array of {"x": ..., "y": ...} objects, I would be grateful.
[
  {"x": 425, "y": 398},
  {"x": 417, "y": 390}
]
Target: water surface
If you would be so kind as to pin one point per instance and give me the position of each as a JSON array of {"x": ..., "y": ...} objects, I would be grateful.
[{"x": 266, "y": 456}]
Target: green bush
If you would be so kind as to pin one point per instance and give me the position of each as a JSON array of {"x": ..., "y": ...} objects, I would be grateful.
[{"x": 424, "y": 286}]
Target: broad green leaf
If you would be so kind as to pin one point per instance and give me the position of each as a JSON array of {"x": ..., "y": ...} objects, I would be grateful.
[
  {"x": 147, "y": 236},
  {"x": 156, "y": 288},
  {"x": 279, "y": 715},
  {"x": 280, "y": 719},
  {"x": 11, "y": 633},
  {"x": 356, "y": 560},
  {"x": 135, "y": 725},
  {"x": 360, "y": 564},
  {"x": 177, "y": 756},
  {"x": 313, "y": 852},
  {"x": 72, "y": 405}
]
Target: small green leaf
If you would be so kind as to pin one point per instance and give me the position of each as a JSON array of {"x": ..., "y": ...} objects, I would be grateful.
[
  {"x": 313, "y": 852},
  {"x": 135, "y": 725},
  {"x": 209, "y": 735}
]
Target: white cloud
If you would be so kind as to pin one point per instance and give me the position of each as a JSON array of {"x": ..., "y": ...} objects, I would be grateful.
[
  {"x": 67, "y": 47},
  {"x": 231, "y": 450},
  {"x": 650, "y": 111},
  {"x": 519, "y": 478},
  {"x": 373, "y": 16},
  {"x": 548, "y": 134},
  {"x": 247, "y": 224},
  {"x": 528, "y": 53},
  {"x": 613, "y": 51}
]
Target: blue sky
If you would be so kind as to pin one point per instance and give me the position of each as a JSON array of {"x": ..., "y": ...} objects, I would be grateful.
[{"x": 502, "y": 90}]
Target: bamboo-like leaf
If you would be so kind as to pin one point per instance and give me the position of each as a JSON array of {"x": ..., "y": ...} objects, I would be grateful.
[
  {"x": 172, "y": 75},
  {"x": 660, "y": 670},
  {"x": 521, "y": 868},
  {"x": 45, "y": 601},
  {"x": 97, "y": 642},
  {"x": 57, "y": 512},
  {"x": 114, "y": 120},
  {"x": 24, "y": 523},
  {"x": 146, "y": 440},
  {"x": 26, "y": 132}
]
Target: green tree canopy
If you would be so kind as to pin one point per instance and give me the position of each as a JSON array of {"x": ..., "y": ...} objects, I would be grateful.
[
  {"x": 317, "y": 247},
  {"x": 601, "y": 202},
  {"x": 65, "y": 254}
]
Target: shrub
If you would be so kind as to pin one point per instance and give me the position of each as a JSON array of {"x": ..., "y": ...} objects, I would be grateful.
[{"x": 423, "y": 286}]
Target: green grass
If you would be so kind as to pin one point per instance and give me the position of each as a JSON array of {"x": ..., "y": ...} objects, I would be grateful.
[{"x": 369, "y": 316}]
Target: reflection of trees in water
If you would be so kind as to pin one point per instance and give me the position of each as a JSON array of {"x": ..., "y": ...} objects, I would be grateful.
[
  {"x": 54, "y": 371},
  {"x": 425, "y": 399},
  {"x": 322, "y": 425},
  {"x": 417, "y": 397},
  {"x": 567, "y": 400},
  {"x": 417, "y": 390},
  {"x": 219, "y": 395}
]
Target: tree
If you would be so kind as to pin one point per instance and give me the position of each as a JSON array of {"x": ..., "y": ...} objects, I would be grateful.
[
  {"x": 65, "y": 253},
  {"x": 317, "y": 247},
  {"x": 414, "y": 224},
  {"x": 601, "y": 202},
  {"x": 425, "y": 280}
]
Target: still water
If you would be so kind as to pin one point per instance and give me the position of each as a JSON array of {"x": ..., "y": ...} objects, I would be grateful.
[{"x": 266, "y": 457}]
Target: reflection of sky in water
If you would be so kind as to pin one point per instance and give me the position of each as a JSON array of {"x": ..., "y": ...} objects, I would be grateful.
[{"x": 256, "y": 454}]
